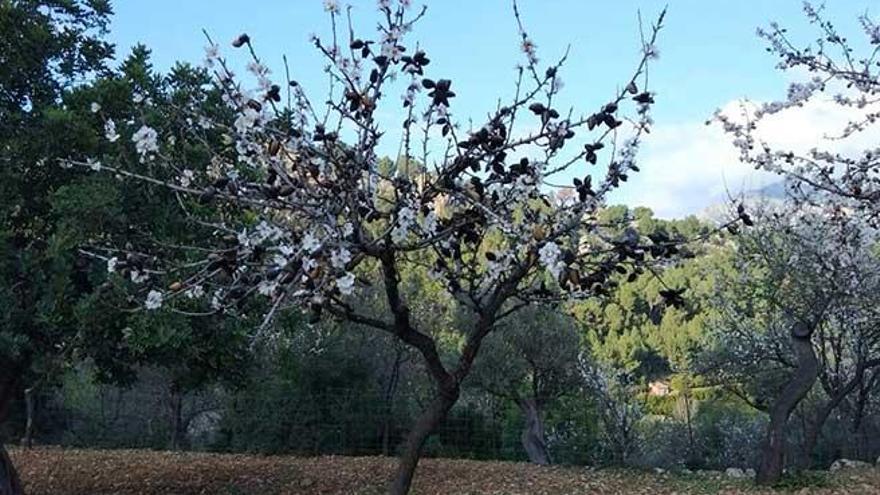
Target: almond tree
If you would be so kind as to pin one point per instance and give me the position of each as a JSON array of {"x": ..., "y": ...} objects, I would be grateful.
[
  {"x": 843, "y": 73},
  {"x": 801, "y": 307},
  {"x": 294, "y": 212}
]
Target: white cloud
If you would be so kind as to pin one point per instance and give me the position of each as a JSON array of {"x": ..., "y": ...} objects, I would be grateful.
[{"x": 688, "y": 166}]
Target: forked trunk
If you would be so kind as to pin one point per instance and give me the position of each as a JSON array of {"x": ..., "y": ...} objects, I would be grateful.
[
  {"x": 9, "y": 482},
  {"x": 415, "y": 440},
  {"x": 800, "y": 383},
  {"x": 814, "y": 428},
  {"x": 28, "y": 440},
  {"x": 533, "y": 438},
  {"x": 811, "y": 434}
]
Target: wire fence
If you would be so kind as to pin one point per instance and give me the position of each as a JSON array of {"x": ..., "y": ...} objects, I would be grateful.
[{"x": 343, "y": 421}]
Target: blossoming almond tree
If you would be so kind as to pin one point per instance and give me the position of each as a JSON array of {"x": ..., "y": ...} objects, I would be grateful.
[
  {"x": 316, "y": 220},
  {"x": 843, "y": 75},
  {"x": 801, "y": 305}
]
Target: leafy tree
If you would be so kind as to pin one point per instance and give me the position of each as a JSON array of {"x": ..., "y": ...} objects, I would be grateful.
[
  {"x": 47, "y": 46},
  {"x": 532, "y": 361},
  {"x": 61, "y": 308},
  {"x": 322, "y": 222}
]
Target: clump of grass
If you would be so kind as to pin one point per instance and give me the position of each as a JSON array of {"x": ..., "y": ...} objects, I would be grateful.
[{"x": 803, "y": 479}]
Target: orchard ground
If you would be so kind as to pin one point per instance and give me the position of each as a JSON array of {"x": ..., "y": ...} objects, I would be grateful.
[{"x": 51, "y": 471}]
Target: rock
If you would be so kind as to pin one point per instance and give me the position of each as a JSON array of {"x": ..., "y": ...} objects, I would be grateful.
[
  {"x": 848, "y": 464},
  {"x": 659, "y": 470},
  {"x": 733, "y": 472},
  {"x": 751, "y": 473}
]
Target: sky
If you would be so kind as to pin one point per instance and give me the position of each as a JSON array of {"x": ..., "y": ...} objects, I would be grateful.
[{"x": 710, "y": 57}]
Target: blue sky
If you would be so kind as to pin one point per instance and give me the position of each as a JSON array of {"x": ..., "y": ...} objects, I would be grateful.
[{"x": 709, "y": 56}]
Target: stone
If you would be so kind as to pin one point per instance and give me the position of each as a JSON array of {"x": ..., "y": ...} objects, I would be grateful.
[
  {"x": 848, "y": 464},
  {"x": 733, "y": 472}
]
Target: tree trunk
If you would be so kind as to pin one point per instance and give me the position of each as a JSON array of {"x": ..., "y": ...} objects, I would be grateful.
[
  {"x": 388, "y": 397},
  {"x": 800, "y": 383},
  {"x": 415, "y": 440},
  {"x": 9, "y": 482},
  {"x": 533, "y": 438},
  {"x": 814, "y": 428},
  {"x": 859, "y": 443},
  {"x": 28, "y": 440},
  {"x": 178, "y": 433},
  {"x": 811, "y": 434}
]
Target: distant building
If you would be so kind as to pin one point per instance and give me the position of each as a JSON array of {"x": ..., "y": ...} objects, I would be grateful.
[{"x": 658, "y": 388}]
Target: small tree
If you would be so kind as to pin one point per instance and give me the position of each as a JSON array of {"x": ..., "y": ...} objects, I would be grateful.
[
  {"x": 532, "y": 361},
  {"x": 616, "y": 392},
  {"x": 319, "y": 220}
]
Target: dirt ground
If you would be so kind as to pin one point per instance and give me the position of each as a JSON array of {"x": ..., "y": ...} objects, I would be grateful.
[{"x": 53, "y": 471}]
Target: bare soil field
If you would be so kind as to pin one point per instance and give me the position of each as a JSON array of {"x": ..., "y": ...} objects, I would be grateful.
[{"x": 54, "y": 471}]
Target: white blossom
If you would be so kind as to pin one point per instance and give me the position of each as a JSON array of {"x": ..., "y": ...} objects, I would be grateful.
[
  {"x": 345, "y": 284},
  {"x": 405, "y": 218},
  {"x": 145, "y": 141},
  {"x": 186, "y": 178},
  {"x": 154, "y": 300},
  {"x": 339, "y": 258},
  {"x": 217, "y": 299},
  {"x": 530, "y": 49},
  {"x": 267, "y": 287},
  {"x": 549, "y": 257},
  {"x": 110, "y": 131},
  {"x": 310, "y": 244},
  {"x": 246, "y": 120},
  {"x": 195, "y": 292},
  {"x": 95, "y": 107},
  {"x": 138, "y": 277},
  {"x": 212, "y": 53},
  {"x": 111, "y": 264}
]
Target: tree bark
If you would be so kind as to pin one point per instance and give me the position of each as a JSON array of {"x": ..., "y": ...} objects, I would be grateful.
[
  {"x": 859, "y": 444},
  {"x": 9, "y": 482},
  {"x": 533, "y": 438},
  {"x": 178, "y": 431},
  {"x": 28, "y": 440},
  {"x": 388, "y": 397},
  {"x": 814, "y": 428},
  {"x": 415, "y": 440},
  {"x": 812, "y": 431},
  {"x": 800, "y": 383}
]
